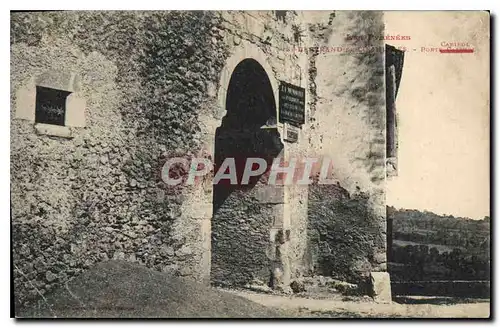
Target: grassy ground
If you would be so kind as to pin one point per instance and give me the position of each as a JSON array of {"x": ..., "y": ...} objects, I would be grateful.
[{"x": 117, "y": 289}]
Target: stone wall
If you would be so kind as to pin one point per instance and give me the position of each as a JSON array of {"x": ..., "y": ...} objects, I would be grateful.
[
  {"x": 152, "y": 85},
  {"x": 347, "y": 221},
  {"x": 97, "y": 193}
]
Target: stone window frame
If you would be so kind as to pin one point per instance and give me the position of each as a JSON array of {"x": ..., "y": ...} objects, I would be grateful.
[{"x": 75, "y": 105}]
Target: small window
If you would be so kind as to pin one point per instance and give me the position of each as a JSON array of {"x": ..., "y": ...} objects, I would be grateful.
[{"x": 50, "y": 106}]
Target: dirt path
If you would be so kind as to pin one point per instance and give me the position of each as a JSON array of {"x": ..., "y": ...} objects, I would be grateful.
[{"x": 366, "y": 308}]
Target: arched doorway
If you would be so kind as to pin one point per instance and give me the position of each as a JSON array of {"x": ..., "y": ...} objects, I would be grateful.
[{"x": 242, "y": 251}]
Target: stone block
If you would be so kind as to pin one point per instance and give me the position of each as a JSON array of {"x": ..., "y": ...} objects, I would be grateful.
[
  {"x": 277, "y": 213},
  {"x": 269, "y": 194},
  {"x": 26, "y": 102},
  {"x": 53, "y": 130},
  {"x": 60, "y": 80},
  {"x": 75, "y": 111},
  {"x": 201, "y": 209},
  {"x": 381, "y": 287}
]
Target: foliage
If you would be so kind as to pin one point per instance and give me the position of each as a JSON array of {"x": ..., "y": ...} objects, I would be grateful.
[{"x": 469, "y": 239}]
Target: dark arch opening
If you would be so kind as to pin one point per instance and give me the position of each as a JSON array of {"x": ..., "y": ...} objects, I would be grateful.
[
  {"x": 250, "y": 102},
  {"x": 249, "y": 127}
]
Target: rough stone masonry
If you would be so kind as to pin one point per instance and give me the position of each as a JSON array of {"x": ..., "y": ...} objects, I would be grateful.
[{"x": 100, "y": 100}]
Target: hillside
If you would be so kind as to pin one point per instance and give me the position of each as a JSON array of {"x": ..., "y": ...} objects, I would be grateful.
[
  {"x": 430, "y": 247},
  {"x": 430, "y": 228}
]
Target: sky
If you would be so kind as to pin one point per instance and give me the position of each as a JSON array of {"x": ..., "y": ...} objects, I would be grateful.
[{"x": 443, "y": 114}]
